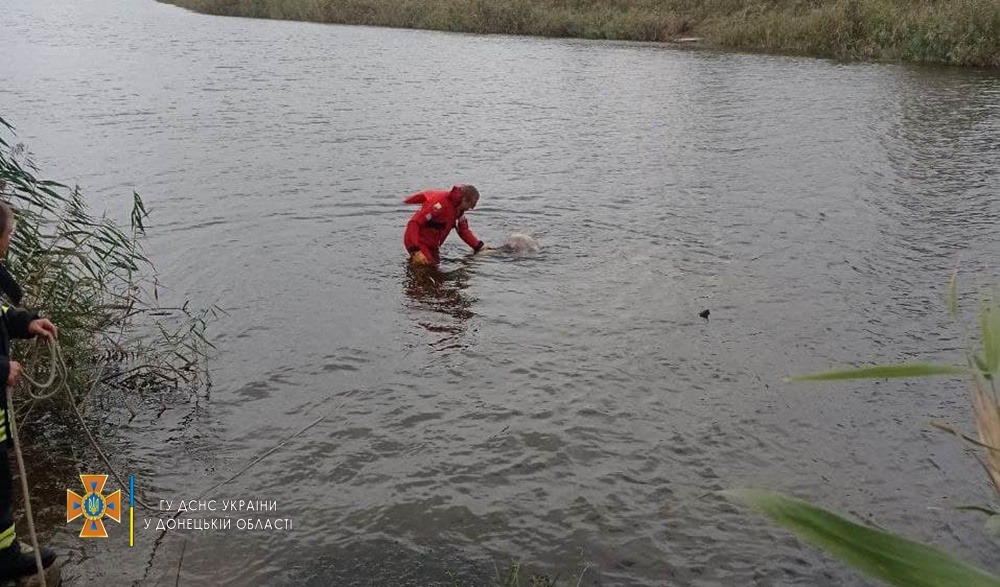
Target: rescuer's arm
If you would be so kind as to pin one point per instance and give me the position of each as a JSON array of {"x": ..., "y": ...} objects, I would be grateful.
[{"x": 466, "y": 234}]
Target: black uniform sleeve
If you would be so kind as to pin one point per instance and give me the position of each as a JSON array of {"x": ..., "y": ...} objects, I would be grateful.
[
  {"x": 4, "y": 373},
  {"x": 18, "y": 321},
  {"x": 9, "y": 285}
]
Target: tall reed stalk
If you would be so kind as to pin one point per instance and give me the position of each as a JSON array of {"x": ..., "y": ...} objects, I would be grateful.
[
  {"x": 93, "y": 279},
  {"x": 891, "y": 558}
]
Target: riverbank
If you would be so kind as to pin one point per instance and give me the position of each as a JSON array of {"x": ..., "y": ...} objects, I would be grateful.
[{"x": 960, "y": 32}]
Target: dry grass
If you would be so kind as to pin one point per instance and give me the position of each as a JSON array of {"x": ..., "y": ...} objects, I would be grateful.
[{"x": 988, "y": 425}]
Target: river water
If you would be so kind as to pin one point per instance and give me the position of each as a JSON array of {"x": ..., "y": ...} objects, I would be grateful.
[{"x": 567, "y": 408}]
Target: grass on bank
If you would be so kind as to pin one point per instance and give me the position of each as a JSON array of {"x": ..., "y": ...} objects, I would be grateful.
[
  {"x": 958, "y": 32},
  {"x": 92, "y": 278}
]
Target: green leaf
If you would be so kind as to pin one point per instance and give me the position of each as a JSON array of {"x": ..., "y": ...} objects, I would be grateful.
[
  {"x": 879, "y": 554},
  {"x": 980, "y": 362},
  {"x": 977, "y": 508},
  {"x": 886, "y": 371},
  {"x": 993, "y": 525},
  {"x": 989, "y": 319}
]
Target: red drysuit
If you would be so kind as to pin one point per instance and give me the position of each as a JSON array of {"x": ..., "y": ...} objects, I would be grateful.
[{"x": 427, "y": 229}]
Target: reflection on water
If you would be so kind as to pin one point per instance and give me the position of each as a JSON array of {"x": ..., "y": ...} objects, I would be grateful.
[{"x": 439, "y": 301}]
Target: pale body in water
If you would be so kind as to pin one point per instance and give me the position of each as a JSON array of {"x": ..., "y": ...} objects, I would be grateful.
[{"x": 519, "y": 243}]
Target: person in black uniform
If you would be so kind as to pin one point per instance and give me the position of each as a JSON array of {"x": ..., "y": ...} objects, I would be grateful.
[{"x": 16, "y": 560}]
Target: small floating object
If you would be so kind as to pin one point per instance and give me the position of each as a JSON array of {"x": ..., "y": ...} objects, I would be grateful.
[
  {"x": 689, "y": 40},
  {"x": 704, "y": 314}
]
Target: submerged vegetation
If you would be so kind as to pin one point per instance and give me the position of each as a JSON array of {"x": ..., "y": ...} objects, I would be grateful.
[
  {"x": 518, "y": 575},
  {"x": 959, "y": 32},
  {"x": 883, "y": 555},
  {"x": 91, "y": 277}
]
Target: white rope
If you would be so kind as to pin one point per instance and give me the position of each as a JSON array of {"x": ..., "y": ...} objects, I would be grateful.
[
  {"x": 57, "y": 367},
  {"x": 24, "y": 487}
]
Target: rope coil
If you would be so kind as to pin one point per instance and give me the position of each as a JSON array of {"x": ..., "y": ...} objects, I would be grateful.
[{"x": 58, "y": 368}]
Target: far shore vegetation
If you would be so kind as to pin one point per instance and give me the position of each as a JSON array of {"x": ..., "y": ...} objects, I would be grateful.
[{"x": 955, "y": 32}]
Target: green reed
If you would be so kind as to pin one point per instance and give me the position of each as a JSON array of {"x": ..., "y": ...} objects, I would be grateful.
[
  {"x": 92, "y": 278},
  {"x": 891, "y": 558}
]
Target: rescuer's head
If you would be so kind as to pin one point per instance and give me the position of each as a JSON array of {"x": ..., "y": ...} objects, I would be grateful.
[{"x": 470, "y": 197}]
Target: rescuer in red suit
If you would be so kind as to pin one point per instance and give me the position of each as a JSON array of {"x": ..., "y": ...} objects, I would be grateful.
[{"x": 440, "y": 211}]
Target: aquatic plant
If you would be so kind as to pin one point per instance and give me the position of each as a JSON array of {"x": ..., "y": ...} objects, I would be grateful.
[
  {"x": 887, "y": 556},
  {"x": 92, "y": 278},
  {"x": 880, "y": 554},
  {"x": 518, "y": 575}
]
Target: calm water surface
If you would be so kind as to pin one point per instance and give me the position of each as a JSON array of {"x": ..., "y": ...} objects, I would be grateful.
[{"x": 567, "y": 407}]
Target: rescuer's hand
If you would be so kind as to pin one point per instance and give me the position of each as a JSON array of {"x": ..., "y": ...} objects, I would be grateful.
[
  {"x": 14, "y": 374},
  {"x": 44, "y": 328},
  {"x": 419, "y": 258}
]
